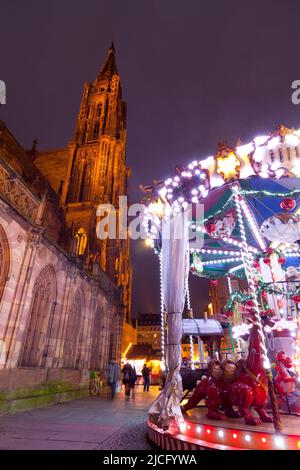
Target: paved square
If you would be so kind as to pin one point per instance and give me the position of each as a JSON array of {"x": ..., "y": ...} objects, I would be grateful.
[{"x": 91, "y": 423}]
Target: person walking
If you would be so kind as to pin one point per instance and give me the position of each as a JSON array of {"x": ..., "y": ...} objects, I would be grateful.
[
  {"x": 146, "y": 371},
  {"x": 127, "y": 372},
  {"x": 113, "y": 375},
  {"x": 133, "y": 379}
]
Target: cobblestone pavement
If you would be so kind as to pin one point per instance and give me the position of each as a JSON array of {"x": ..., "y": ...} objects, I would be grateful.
[{"x": 91, "y": 423}]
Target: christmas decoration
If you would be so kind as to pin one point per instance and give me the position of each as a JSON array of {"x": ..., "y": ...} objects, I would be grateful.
[
  {"x": 283, "y": 228},
  {"x": 285, "y": 384},
  {"x": 288, "y": 204},
  {"x": 228, "y": 163},
  {"x": 221, "y": 227}
]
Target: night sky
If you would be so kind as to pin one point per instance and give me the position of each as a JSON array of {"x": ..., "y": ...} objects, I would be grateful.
[{"x": 193, "y": 73}]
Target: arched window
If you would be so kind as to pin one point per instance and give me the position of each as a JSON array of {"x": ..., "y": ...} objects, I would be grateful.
[
  {"x": 74, "y": 333},
  {"x": 96, "y": 130},
  {"x": 40, "y": 319},
  {"x": 99, "y": 108},
  {"x": 97, "y": 340},
  {"x": 4, "y": 260},
  {"x": 81, "y": 237}
]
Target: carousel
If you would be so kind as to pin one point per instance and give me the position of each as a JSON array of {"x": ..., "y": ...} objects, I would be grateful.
[{"x": 234, "y": 216}]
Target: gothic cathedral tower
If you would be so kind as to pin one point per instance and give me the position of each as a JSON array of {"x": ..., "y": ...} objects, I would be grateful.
[{"x": 97, "y": 174}]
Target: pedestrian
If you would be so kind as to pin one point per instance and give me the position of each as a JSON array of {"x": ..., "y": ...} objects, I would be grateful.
[
  {"x": 146, "y": 371},
  {"x": 133, "y": 379},
  {"x": 127, "y": 379},
  {"x": 113, "y": 376}
]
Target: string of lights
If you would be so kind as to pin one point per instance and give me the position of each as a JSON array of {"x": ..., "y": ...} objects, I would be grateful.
[
  {"x": 247, "y": 258},
  {"x": 162, "y": 312},
  {"x": 188, "y": 304}
]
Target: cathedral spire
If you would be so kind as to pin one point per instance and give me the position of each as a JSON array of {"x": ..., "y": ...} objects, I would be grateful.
[{"x": 109, "y": 68}]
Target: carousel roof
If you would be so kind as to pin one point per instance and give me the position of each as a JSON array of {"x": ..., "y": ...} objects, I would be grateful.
[{"x": 200, "y": 327}]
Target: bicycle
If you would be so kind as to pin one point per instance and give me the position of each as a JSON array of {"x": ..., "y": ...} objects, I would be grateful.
[{"x": 96, "y": 384}]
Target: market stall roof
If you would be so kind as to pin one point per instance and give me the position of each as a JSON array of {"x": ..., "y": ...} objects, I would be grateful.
[
  {"x": 200, "y": 327},
  {"x": 143, "y": 351}
]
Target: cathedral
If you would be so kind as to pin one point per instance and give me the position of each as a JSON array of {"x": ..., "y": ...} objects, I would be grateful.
[{"x": 65, "y": 295}]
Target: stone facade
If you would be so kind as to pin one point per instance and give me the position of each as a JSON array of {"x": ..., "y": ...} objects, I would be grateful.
[{"x": 63, "y": 297}]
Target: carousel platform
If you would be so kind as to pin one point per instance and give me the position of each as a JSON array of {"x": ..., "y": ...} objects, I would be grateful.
[{"x": 198, "y": 433}]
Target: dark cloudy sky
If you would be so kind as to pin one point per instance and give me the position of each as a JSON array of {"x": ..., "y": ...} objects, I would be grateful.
[{"x": 194, "y": 72}]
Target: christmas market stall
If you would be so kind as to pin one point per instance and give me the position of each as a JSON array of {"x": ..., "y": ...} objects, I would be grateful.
[{"x": 233, "y": 216}]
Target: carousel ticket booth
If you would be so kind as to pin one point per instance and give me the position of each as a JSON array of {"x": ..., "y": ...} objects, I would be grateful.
[{"x": 234, "y": 215}]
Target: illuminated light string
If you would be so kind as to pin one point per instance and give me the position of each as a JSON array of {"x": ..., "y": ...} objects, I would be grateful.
[
  {"x": 204, "y": 173},
  {"x": 150, "y": 212},
  {"x": 234, "y": 242},
  {"x": 229, "y": 284},
  {"x": 236, "y": 268},
  {"x": 213, "y": 434},
  {"x": 247, "y": 258},
  {"x": 253, "y": 224},
  {"x": 162, "y": 312},
  {"x": 222, "y": 261},
  {"x": 214, "y": 251},
  {"x": 150, "y": 216},
  {"x": 188, "y": 303}
]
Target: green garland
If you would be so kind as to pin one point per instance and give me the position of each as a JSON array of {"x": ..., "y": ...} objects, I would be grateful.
[
  {"x": 272, "y": 290},
  {"x": 254, "y": 193},
  {"x": 240, "y": 297},
  {"x": 236, "y": 296}
]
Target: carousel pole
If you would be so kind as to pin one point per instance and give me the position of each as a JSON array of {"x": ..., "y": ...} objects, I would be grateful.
[
  {"x": 297, "y": 341},
  {"x": 230, "y": 326},
  {"x": 162, "y": 315},
  {"x": 247, "y": 258},
  {"x": 191, "y": 316}
]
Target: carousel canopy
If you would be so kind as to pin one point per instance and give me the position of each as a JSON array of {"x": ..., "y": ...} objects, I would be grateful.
[
  {"x": 220, "y": 253},
  {"x": 200, "y": 327}
]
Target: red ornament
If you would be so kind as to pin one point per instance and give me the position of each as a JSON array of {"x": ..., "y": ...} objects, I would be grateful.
[
  {"x": 287, "y": 204},
  {"x": 269, "y": 251},
  {"x": 213, "y": 283},
  {"x": 267, "y": 261},
  {"x": 256, "y": 264},
  {"x": 281, "y": 260},
  {"x": 264, "y": 294},
  {"x": 296, "y": 298},
  {"x": 250, "y": 303},
  {"x": 210, "y": 228}
]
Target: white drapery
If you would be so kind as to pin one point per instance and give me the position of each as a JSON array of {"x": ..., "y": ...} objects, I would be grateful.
[{"x": 166, "y": 408}]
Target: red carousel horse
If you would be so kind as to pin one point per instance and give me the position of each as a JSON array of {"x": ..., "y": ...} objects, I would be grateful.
[
  {"x": 285, "y": 384},
  {"x": 242, "y": 385}
]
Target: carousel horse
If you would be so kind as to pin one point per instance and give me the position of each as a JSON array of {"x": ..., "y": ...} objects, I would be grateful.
[
  {"x": 285, "y": 384},
  {"x": 242, "y": 385}
]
